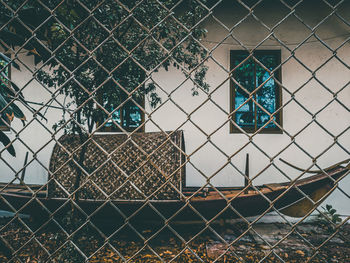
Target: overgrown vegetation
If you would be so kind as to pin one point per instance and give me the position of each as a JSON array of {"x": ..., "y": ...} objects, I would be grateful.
[
  {"x": 329, "y": 219},
  {"x": 101, "y": 55}
]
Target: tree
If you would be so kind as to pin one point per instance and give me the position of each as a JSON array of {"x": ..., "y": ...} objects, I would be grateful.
[{"x": 101, "y": 54}]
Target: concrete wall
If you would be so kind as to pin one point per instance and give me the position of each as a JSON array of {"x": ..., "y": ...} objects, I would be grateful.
[{"x": 311, "y": 142}]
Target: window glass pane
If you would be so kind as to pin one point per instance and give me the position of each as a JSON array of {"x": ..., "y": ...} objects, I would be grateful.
[
  {"x": 131, "y": 115},
  {"x": 128, "y": 115},
  {"x": 245, "y": 115},
  {"x": 254, "y": 79},
  {"x": 116, "y": 119},
  {"x": 267, "y": 94},
  {"x": 244, "y": 75}
]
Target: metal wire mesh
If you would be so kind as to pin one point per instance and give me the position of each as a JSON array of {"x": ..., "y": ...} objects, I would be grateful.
[{"x": 126, "y": 180}]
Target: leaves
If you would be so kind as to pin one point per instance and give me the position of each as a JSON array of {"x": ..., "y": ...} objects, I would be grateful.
[
  {"x": 8, "y": 60},
  {"x": 111, "y": 74},
  {"x": 9, "y": 93},
  {"x": 111, "y": 55},
  {"x": 328, "y": 218},
  {"x": 17, "y": 112},
  {"x": 7, "y": 143},
  {"x": 201, "y": 248}
]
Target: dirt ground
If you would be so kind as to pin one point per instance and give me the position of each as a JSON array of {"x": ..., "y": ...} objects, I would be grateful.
[{"x": 221, "y": 242}]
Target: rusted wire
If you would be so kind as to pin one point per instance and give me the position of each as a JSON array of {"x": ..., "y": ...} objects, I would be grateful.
[{"x": 148, "y": 202}]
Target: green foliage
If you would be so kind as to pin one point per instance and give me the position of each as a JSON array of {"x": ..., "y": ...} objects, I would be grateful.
[
  {"x": 9, "y": 93},
  {"x": 328, "y": 219},
  {"x": 101, "y": 55},
  {"x": 103, "y": 60}
]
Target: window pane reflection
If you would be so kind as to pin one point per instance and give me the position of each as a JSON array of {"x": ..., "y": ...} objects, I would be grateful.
[
  {"x": 128, "y": 116},
  {"x": 115, "y": 118},
  {"x": 131, "y": 115},
  {"x": 267, "y": 94},
  {"x": 244, "y": 75},
  {"x": 254, "y": 105}
]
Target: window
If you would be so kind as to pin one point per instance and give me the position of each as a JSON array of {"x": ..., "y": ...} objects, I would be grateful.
[
  {"x": 4, "y": 82},
  {"x": 255, "y": 96},
  {"x": 129, "y": 116}
]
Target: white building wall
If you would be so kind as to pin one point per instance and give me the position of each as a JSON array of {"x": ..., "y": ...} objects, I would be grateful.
[{"x": 210, "y": 117}]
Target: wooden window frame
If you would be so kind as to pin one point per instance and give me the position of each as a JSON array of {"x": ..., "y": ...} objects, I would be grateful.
[
  {"x": 278, "y": 76},
  {"x": 4, "y": 127}
]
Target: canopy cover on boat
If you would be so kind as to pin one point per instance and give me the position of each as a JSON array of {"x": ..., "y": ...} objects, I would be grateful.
[{"x": 120, "y": 167}]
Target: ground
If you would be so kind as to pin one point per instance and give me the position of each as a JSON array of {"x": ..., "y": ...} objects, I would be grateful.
[{"x": 203, "y": 244}]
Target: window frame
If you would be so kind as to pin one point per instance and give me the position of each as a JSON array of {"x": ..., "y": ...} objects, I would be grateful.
[
  {"x": 4, "y": 127},
  {"x": 115, "y": 128},
  {"x": 279, "y": 102}
]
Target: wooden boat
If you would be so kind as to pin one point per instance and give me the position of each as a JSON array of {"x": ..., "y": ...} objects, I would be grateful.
[
  {"x": 288, "y": 198},
  {"x": 292, "y": 198}
]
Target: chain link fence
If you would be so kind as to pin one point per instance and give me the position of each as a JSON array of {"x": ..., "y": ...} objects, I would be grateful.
[{"x": 174, "y": 131}]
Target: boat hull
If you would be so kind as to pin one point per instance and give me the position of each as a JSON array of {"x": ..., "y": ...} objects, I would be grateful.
[{"x": 288, "y": 198}]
